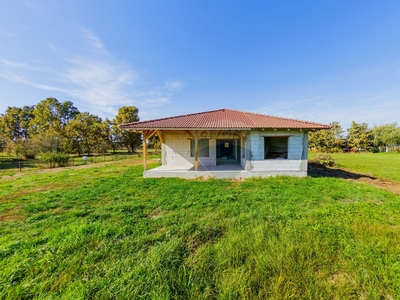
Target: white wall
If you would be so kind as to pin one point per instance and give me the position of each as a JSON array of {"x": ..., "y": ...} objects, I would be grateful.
[{"x": 176, "y": 151}]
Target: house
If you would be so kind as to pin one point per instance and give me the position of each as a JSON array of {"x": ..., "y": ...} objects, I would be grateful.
[{"x": 227, "y": 143}]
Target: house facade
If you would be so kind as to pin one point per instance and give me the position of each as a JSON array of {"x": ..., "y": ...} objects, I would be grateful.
[{"x": 228, "y": 144}]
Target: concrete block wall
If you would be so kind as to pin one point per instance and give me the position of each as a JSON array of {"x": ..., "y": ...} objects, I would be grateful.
[
  {"x": 297, "y": 152},
  {"x": 176, "y": 151}
]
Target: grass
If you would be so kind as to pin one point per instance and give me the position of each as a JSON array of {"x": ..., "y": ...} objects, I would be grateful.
[
  {"x": 9, "y": 166},
  {"x": 107, "y": 233},
  {"x": 381, "y": 165}
]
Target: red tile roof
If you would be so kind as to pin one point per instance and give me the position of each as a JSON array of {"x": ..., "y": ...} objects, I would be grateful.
[{"x": 222, "y": 119}]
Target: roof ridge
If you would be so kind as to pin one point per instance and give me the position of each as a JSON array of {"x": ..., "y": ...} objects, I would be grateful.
[
  {"x": 275, "y": 117},
  {"x": 283, "y": 118},
  {"x": 173, "y": 117}
]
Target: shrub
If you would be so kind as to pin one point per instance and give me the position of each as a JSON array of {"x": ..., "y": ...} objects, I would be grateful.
[
  {"x": 26, "y": 148},
  {"x": 373, "y": 149},
  {"x": 323, "y": 160},
  {"x": 55, "y": 159}
]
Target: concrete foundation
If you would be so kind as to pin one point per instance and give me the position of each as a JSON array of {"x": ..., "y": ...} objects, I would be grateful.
[{"x": 221, "y": 172}]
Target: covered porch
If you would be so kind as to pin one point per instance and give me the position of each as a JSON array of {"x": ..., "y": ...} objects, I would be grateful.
[{"x": 197, "y": 150}]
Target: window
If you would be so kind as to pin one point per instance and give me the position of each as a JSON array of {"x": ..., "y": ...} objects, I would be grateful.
[
  {"x": 276, "y": 147},
  {"x": 203, "y": 148}
]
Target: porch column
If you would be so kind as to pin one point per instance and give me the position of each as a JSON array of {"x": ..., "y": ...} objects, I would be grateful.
[
  {"x": 146, "y": 135},
  {"x": 144, "y": 152},
  {"x": 196, "y": 152}
]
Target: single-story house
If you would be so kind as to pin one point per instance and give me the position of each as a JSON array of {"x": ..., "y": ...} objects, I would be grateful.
[{"x": 227, "y": 143}]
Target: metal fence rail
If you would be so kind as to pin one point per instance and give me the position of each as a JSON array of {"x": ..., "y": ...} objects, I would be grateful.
[{"x": 22, "y": 164}]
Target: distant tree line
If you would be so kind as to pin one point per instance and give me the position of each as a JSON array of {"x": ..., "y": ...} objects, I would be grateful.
[
  {"x": 54, "y": 126},
  {"x": 359, "y": 137}
]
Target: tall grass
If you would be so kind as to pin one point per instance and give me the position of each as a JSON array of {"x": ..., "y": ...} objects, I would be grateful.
[{"x": 107, "y": 233}]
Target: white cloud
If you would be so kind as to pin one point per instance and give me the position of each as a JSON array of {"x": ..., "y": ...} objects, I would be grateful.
[
  {"x": 26, "y": 66},
  {"x": 99, "y": 82},
  {"x": 13, "y": 64},
  {"x": 174, "y": 85},
  {"x": 373, "y": 109},
  {"x": 155, "y": 102},
  {"x": 92, "y": 38}
]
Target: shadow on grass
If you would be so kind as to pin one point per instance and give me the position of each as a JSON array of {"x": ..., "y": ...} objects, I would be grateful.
[
  {"x": 16, "y": 165},
  {"x": 316, "y": 170}
]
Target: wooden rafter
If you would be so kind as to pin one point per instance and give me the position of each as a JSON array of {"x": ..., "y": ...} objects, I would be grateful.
[
  {"x": 150, "y": 133},
  {"x": 190, "y": 133},
  {"x": 241, "y": 134},
  {"x": 160, "y": 135}
]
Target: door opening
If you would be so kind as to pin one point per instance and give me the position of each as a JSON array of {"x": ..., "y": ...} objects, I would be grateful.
[{"x": 228, "y": 152}]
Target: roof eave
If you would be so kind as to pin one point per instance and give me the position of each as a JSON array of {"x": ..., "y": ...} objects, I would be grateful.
[
  {"x": 182, "y": 128},
  {"x": 218, "y": 128}
]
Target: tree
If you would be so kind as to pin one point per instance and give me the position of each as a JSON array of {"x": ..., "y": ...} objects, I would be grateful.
[
  {"x": 386, "y": 135},
  {"x": 328, "y": 140},
  {"x": 51, "y": 114},
  {"x": 3, "y": 143},
  {"x": 112, "y": 134},
  {"x": 154, "y": 142},
  {"x": 359, "y": 136},
  {"x": 129, "y": 114},
  {"x": 84, "y": 132},
  {"x": 15, "y": 122},
  {"x": 51, "y": 141}
]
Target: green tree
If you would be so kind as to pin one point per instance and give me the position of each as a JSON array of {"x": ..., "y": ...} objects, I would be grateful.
[
  {"x": 154, "y": 142},
  {"x": 84, "y": 133},
  {"x": 27, "y": 148},
  {"x": 359, "y": 136},
  {"x": 3, "y": 139},
  {"x": 51, "y": 114},
  {"x": 328, "y": 140},
  {"x": 128, "y": 114},
  {"x": 14, "y": 124},
  {"x": 112, "y": 134},
  {"x": 51, "y": 141},
  {"x": 386, "y": 135}
]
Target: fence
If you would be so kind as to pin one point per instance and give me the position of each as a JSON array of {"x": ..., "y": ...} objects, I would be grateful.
[{"x": 15, "y": 164}]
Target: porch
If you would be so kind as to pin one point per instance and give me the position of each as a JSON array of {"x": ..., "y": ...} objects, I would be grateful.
[{"x": 189, "y": 172}]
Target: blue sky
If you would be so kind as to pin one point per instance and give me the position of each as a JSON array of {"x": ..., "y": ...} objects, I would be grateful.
[{"x": 320, "y": 61}]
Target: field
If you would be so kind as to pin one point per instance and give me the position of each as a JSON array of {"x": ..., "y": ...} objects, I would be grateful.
[
  {"x": 381, "y": 165},
  {"x": 104, "y": 232},
  {"x": 10, "y": 165}
]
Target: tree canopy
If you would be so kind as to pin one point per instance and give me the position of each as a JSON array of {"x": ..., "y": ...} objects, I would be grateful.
[
  {"x": 51, "y": 125},
  {"x": 128, "y": 114}
]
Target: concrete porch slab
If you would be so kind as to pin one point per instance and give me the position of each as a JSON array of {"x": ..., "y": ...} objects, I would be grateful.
[
  {"x": 188, "y": 172},
  {"x": 220, "y": 172}
]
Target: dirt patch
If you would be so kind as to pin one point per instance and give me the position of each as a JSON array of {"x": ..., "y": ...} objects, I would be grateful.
[
  {"x": 319, "y": 171},
  {"x": 12, "y": 214},
  {"x": 157, "y": 213},
  {"x": 391, "y": 186}
]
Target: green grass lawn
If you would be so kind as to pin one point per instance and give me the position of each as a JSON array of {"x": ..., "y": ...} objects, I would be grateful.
[
  {"x": 107, "y": 233},
  {"x": 381, "y": 165},
  {"x": 10, "y": 166}
]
